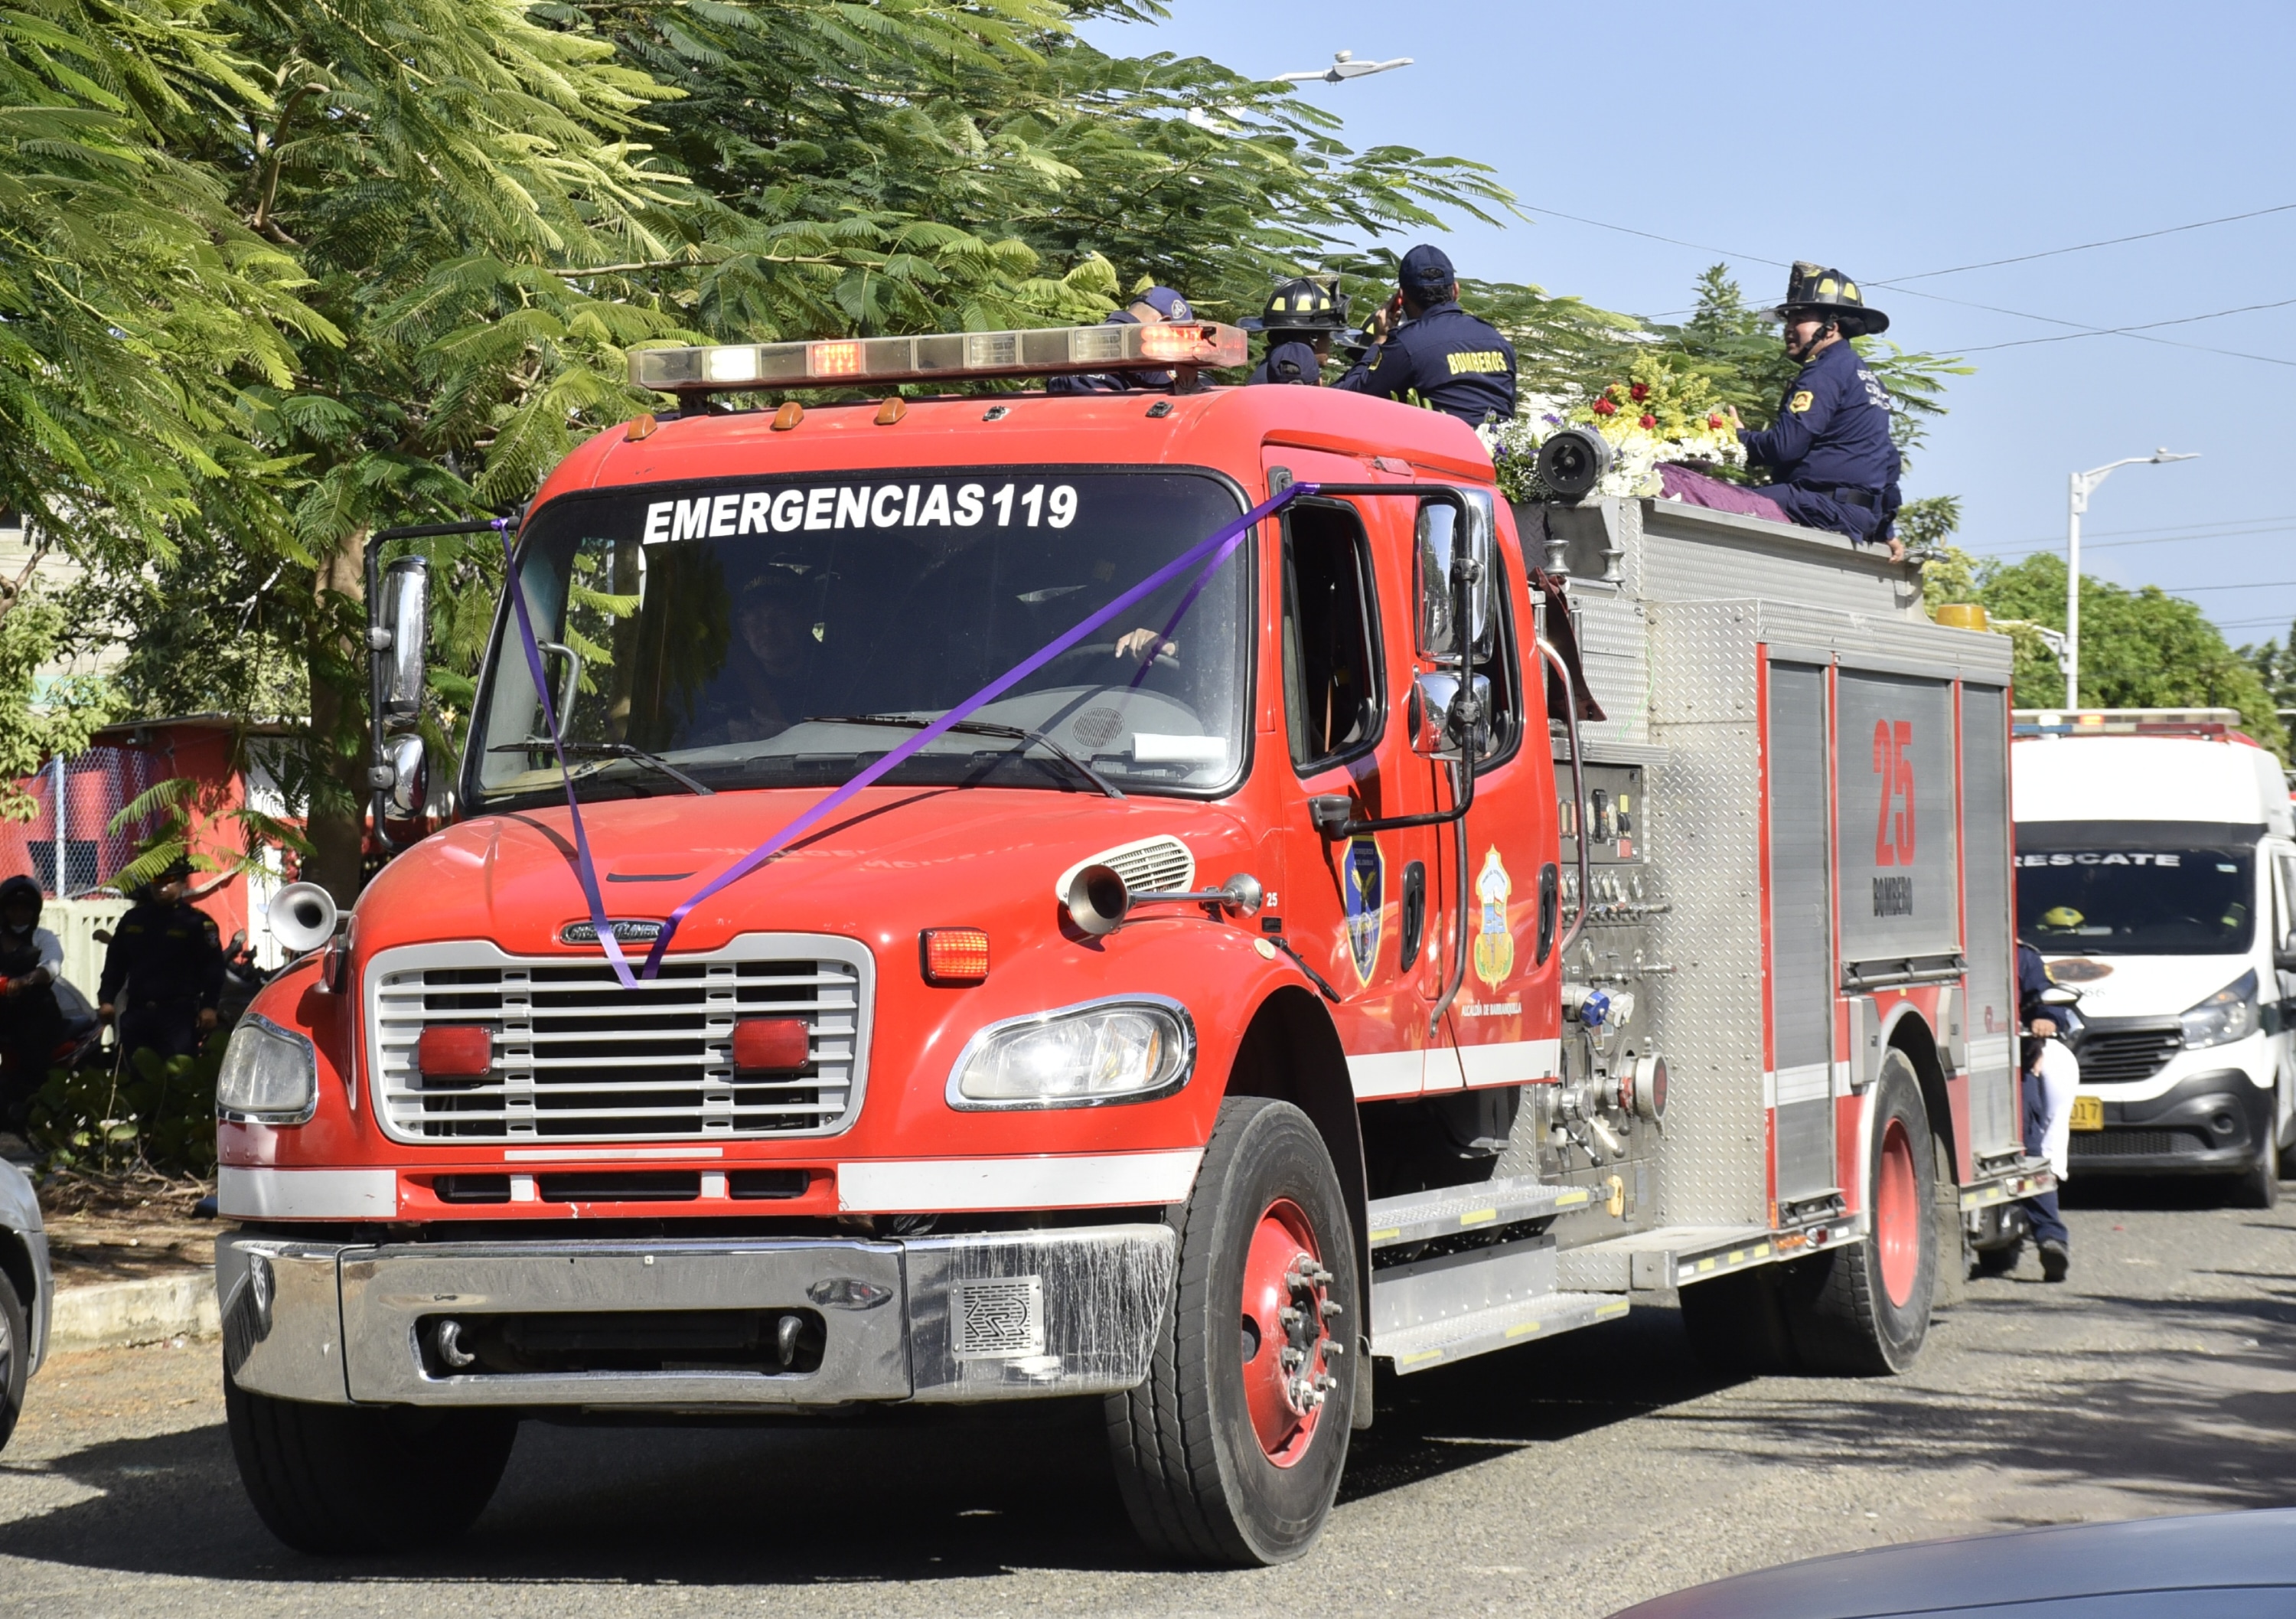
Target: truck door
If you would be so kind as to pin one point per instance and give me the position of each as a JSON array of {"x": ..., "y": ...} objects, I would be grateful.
[
  {"x": 1359, "y": 911},
  {"x": 1502, "y": 1019},
  {"x": 1988, "y": 1019},
  {"x": 1800, "y": 1057}
]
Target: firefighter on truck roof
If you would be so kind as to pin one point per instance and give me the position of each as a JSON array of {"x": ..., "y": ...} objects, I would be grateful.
[
  {"x": 1302, "y": 317},
  {"x": 1833, "y": 463},
  {"x": 1430, "y": 347}
]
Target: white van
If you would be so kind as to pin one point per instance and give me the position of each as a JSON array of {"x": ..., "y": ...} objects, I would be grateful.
[{"x": 2155, "y": 871}]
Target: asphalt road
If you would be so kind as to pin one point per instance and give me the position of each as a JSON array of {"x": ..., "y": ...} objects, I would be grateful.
[{"x": 1567, "y": 1478}]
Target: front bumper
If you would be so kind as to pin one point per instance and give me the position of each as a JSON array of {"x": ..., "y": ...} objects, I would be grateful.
[
  {"x": 970, "y": 1317},
  {"x": 2212, "y": 1123}
]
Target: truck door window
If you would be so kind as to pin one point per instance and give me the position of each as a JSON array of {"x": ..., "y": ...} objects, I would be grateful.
[{"x": 1331, "y": 658}]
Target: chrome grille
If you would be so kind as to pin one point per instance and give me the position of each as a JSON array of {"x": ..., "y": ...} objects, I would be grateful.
[{"x": 579, "y": 1058}]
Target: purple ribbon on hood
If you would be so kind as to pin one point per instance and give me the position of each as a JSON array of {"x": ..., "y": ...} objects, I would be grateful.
[{"x": 1206, "y": 557}]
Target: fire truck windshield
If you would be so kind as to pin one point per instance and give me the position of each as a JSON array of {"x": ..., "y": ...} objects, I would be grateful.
[{"x": 772, "y": 632}]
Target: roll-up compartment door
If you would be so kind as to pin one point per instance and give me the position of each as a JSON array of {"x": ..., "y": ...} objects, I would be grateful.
[
  {"x": 1989, "y": 1029},
  {"x": 1900, "y": 893},
  {"x": 1801, "y": 944}
]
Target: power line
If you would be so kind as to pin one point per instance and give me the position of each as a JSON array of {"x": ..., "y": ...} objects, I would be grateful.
[
  {"x": 2181, "y": 320},
  {"x": 2084, "y": 247},
  {"x": 2051, "y": 542}
]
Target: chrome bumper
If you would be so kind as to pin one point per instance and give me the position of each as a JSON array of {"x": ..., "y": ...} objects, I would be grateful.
[{"x": 965, "y": 1318}]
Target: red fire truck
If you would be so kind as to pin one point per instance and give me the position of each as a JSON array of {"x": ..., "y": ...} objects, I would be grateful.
[{"x": 1208, "y": 897}]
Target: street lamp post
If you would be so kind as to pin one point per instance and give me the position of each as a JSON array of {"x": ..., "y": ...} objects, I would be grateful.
[{"x": 2083, "y": 484}]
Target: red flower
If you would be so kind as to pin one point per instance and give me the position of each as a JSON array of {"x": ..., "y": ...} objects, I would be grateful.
[
  {"x": 1713, "y": 421},
  {"x": 1650, "y": 422},
  {"x": 1641, "y": 390},
  {"x": 1603, "y": 408}
]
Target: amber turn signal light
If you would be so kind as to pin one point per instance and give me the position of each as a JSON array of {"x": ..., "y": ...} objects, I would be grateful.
[
  {"x": 953, "y": 956},
  {"x": 776, "y": 1045},
  {"x": 455, "y": 1051}
]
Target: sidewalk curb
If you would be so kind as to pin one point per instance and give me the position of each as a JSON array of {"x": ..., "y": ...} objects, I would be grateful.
[{"x": 117, "y": 1315}]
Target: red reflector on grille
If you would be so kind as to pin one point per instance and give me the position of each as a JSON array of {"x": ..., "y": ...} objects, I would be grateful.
[
  {"x": 454, "y": 1050},
  {"x": 774, "y": 1043},
  {"x": 954, "y": 954}
]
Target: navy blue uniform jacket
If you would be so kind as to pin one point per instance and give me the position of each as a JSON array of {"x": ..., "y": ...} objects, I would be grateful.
[
  {"x": 163, "y": 952},
  {"x": 1832, "y": 432},
  {"x": 1458, "y": 364},
  {"x": 1288, "y": 363}
]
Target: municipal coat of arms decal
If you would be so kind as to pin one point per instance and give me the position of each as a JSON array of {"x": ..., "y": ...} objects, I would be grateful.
[
  {"x": 1494, "y": 941},
  {"x": 1363, "y": 881}
]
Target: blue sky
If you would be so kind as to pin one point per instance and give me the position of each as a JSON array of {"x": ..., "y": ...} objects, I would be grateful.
[{"x": 1888, "y": 142}]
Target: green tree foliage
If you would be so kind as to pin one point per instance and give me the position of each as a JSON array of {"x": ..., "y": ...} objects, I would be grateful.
[{"x": 2139, "y": 648}]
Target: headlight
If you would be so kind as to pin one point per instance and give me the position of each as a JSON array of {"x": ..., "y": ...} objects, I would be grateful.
[
  {"x": 2229, "y": 1014},
  {"x": 1080, "y": 1057},
  {"x": 269, "y": 1075}
]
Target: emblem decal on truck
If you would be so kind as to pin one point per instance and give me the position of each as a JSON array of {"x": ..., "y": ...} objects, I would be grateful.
[
  {"x": 1494, "y": 941},
  {"x": 626, "y": 930},
  {"x": 1363, "y": 883}
]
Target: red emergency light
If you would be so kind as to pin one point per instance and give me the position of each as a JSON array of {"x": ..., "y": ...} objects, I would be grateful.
[
  {"x": 941, "y": 357},
  {"x": 455, "y": 1051},
  {"x": 772, "y": 1045},
  {"x": 953, "y": 956}
]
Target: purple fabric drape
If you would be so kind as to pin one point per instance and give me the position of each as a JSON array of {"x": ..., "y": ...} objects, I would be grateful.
[{"x": 1717, "y": 494}]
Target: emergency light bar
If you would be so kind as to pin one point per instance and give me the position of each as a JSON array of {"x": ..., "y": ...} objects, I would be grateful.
[
  {"x": 2124, "y": 722},
  {"x": 1190, "y": 345}
]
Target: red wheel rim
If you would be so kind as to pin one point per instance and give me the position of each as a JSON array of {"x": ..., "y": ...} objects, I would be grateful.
[
  {"x": 1284, "y": 1335},
  {"x": 1898, "y": 1214}
]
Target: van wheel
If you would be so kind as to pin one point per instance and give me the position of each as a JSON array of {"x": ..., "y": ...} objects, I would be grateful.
[
  {"x": 331, "y": 1479},
  {"x": 15, "y": 1358},
  {"x": 1863, "y": 1310},
  {"x": 2259, "y": 1188},
  {"x": 1231, "y": 1450}
]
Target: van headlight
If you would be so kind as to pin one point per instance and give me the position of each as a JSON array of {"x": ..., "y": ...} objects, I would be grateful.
[
  {"x": 270, "y": 1075},
  {"x": 1106, "y": 1051},
  {"x": 2229, "y": 1015}
]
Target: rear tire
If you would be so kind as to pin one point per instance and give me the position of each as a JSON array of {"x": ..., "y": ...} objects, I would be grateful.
[
  {"x": 332, "y": 1479},
  {"x": 15, "y": 1358},
  {"x": 1863, "y": 1310},
  {"x": 1953, "y": 1249},
  {"x": 1216, "y": 1462},
  {"x": 1737, "y": 1324}
]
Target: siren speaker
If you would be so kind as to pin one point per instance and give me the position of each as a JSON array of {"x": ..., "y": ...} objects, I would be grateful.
[
  {"x": 303, "y": 916},
  {"x": 1572, "y": 462},
  {"x": 1098, "y": 899}
]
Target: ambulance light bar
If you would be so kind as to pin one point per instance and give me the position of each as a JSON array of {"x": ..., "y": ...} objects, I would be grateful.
[
  {"x": 2126, "y": 722},
  {"x": 945, "y": 356}
]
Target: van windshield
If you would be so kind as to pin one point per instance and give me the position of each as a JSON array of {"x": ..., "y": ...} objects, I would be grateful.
[
  {"x": 775, "y": 633},
  {"x": 2137, "y": 901}
]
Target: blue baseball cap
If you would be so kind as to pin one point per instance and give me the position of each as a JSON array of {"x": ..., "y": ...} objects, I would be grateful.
[
  {"x": 1166, "y": 303},
  {"x": 1426, "y": 269}
]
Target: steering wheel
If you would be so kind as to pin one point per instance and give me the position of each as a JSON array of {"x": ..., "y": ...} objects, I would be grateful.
[{"x": 1106, "y": 650}]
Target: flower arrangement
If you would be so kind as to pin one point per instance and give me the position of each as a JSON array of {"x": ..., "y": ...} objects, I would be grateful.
[{"x": 1659, "y": 413}]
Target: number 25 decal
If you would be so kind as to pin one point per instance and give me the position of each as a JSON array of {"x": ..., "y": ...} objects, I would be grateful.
[{"x": 1893, "y": 836}]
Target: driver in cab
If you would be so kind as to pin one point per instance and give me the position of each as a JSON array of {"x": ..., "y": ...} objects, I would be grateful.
[{"x": 755, "y": 694}]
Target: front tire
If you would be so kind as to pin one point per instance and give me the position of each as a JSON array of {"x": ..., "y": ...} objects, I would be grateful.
[
  {"x": 2259, "y": 1188},
  {"x": 1232, "y": 1449},
  {"x": 332, "y": 1479},
  {"x": 15, "y": 1358},
  {"x": 1863, "y": 1310}
]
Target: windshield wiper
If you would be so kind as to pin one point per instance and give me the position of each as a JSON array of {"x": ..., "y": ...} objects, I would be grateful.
[
  {"x": 983, "y": 728},
  {"x": 610, "y": 750}
]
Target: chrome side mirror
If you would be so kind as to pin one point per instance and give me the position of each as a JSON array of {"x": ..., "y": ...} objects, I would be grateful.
[
  {"x": 1439, "y": 543},
  {"x": 409, "y": 793},
  {"x": 401, "y": 635},
  {"x": 1440, "y": 724}
]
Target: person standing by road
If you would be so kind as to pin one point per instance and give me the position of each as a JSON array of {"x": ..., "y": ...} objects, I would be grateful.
[
  {"x": 2052, "y": 1077},
  {"x": 167, "y": 957},
  {"x": 30, "y": 1023}
]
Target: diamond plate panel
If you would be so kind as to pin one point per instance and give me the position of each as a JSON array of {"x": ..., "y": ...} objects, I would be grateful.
[{"x": 1703, "y": 825}]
